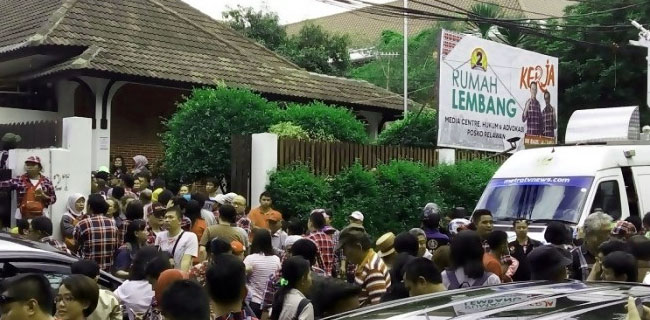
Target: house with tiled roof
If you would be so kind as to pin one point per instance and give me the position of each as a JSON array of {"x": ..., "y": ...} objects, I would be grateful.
[
  {"x": 364, "y": 27},
  {"x": 125, "y": 64}
]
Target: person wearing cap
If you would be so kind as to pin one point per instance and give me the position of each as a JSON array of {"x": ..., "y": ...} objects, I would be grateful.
[
  {"x": 258, "y": 215},
  {"x": 35, "y": 191},
  {"x": 278, "y": 236},
  {"x": 386, "y": 248},
  {"x": 242, "y": 219},
  {"x": 356, "y": 220},
  {"x": 155, "y": 222},
  {"x": 27, "y": 297},
  {"x": 371, "y": 274},
  {"x": 431, "y": 225},
  {"x": 623, "y": 230},
  {"x": 548, "y": 263}
]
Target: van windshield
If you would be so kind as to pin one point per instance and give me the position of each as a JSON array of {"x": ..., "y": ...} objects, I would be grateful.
[{"x": 548, "y": 198}]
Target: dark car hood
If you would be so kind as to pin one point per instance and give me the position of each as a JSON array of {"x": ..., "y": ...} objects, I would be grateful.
[{"x": 529, "y": 300}]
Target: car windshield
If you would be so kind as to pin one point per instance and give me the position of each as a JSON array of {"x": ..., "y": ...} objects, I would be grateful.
[{"x": 548, "y": 198}]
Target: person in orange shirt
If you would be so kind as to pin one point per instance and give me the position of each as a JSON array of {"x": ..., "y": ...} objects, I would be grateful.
[
  {"x": 259, "y": 216},
  {"x": 498, "y": 242}
]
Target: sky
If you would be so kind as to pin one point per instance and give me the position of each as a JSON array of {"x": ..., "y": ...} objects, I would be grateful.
[{"x": 290, "y": 11}]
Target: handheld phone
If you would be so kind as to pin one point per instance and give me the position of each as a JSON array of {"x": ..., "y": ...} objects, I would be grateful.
[{"x": 639, "y": 306}]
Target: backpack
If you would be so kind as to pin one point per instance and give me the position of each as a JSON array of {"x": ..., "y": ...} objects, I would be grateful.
[
  {"x": 301, "y": 306},
  {"x": 30, "y": 207},
  {"x": 453, "y": 280}
]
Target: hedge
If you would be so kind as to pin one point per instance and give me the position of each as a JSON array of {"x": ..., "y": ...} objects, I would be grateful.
[{"x": 390, "y": 196}]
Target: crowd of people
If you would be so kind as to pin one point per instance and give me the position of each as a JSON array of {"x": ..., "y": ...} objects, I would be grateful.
[{"x": 198, "y": 255}]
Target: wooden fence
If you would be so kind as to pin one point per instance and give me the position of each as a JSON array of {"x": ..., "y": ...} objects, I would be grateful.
[
  {"x": 329, "y": 158},
  {"x": 35, "y": 134}
]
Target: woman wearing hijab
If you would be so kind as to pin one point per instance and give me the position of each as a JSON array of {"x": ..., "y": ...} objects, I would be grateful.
[
  {"x": 76, "y": 206},
  {"x": 141, "y": 163}
]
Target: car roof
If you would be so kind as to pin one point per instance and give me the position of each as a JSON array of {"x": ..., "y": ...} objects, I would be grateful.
[
  {"x": 11, "y": 245},
  {"x": 528, "y": 300}
]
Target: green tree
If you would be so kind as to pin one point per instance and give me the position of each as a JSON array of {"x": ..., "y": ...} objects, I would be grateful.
[
  {"x": 198, "y": 135},
  {"x": 481, "y": 11},
  {"x": 418, "y": 130},
  {"x": 387, "y": 70},
  {"x": 597, "y": 66},
  {"x": 318, "y": 51},
  {"x": 324, "y": 122},
  {"x": 263, "y": 27}
]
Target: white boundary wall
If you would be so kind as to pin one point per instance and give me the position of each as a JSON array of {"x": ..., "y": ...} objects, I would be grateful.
[
  {"x": 68, "y": 167},
  {"x": 264, "y": 159},
  {"x": 10, "y": 115}
]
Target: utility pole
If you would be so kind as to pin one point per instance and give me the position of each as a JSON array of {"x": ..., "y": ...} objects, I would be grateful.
[
  {"x": 406, "y": 50},
  {"x": 644, "y": 41}
]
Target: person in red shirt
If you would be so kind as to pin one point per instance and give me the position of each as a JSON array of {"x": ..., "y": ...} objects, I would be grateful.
[
  {"x": 498, "y": 242},
  {"x": 35, "y": 191},
  {"x": 258, "y": 216}
]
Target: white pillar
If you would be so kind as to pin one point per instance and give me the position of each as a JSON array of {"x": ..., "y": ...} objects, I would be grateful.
[
  {"x": 71, "y": 165},
  {"x": 264, "y": 159},
  {"x": 446, "y": 156}
]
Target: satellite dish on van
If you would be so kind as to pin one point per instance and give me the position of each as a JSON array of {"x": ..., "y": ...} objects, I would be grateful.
[{"x": 604, "y": 124}]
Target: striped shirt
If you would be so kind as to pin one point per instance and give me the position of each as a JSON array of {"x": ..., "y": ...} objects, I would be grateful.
[
  {"x": 261, "y": 268},
  {"x": 373, "y": 277}
]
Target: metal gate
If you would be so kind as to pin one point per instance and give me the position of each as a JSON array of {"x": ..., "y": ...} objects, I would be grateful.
[{"x": 240, "y": 165}]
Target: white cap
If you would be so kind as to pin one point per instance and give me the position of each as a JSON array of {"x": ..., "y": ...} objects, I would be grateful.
[
  {"x": 228, "y": 198},
  {"x": 357, "y": 215},
  {"x": 290, "y": 240},
  {"x": 220, "y": 199}
]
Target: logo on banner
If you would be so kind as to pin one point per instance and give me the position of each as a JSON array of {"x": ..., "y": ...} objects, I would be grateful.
[{"x": 479, "y": 61}]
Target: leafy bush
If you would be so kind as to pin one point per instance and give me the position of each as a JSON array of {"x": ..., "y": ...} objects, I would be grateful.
[
  {"x": 390, "y": 197},
  {"x": 406, "y": 187},
  {"x": 197, "y": 136},
  {"x": 296, "y": 191},
  {"x": 354, "y": 189},
  {"x": 289, "y": 130},
  {"x": 417, "y": 130},
  {"x": 324, "y": 122},
  {"x": 461, "y": 184}
]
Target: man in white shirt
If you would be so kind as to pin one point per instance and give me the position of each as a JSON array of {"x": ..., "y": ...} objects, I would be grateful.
[
  {"x": 278, "y": 236},
  {"x": 181, "y": 245}
]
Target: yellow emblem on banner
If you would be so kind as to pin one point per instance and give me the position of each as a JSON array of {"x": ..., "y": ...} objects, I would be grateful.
[{"x": 479, "y": 59}]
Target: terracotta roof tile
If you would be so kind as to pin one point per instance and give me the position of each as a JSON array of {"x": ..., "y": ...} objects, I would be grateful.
[
  {"x": 365, "y": 28},
  {"x": 169, "y": 40}
]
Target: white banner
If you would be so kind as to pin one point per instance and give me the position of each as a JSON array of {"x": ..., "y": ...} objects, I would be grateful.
[{"x": 490, "y": 92}]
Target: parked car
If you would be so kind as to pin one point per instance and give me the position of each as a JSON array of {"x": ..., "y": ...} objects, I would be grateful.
[
  {"x": 19, "y": 256},
  {"x": 528, "y": 300}
]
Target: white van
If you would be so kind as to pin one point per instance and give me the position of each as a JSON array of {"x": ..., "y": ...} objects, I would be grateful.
[{"x": 607, "y": 169}]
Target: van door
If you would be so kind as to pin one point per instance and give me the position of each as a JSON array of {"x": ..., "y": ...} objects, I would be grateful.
[
  {"x": 608, "y": 195},
  {"x": 642, "y": 183}
]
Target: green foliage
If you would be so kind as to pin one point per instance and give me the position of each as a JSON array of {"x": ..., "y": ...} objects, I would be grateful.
[
  {"x": 313, "y": 48},
  {"x": 461, "y": 184},
  {"x": 318, "y": 51},
  {"x": 355, "y": 189},
  {"x": 263, "y": 27},
  {"x": 197, "y": 136},
  {"x": 390, "y": 196},
  {"x": 325, "y": 122},
  {"x": 608, "y": 74},
  {"x": 289, "y": 130},
  {"x": 417, "y": 130},
  {"x": 296, "y": 191},
  {"x": 406, "y": 186},
  {"x": 387, "y": 71},
  {"x": 484, "y": 11}
]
